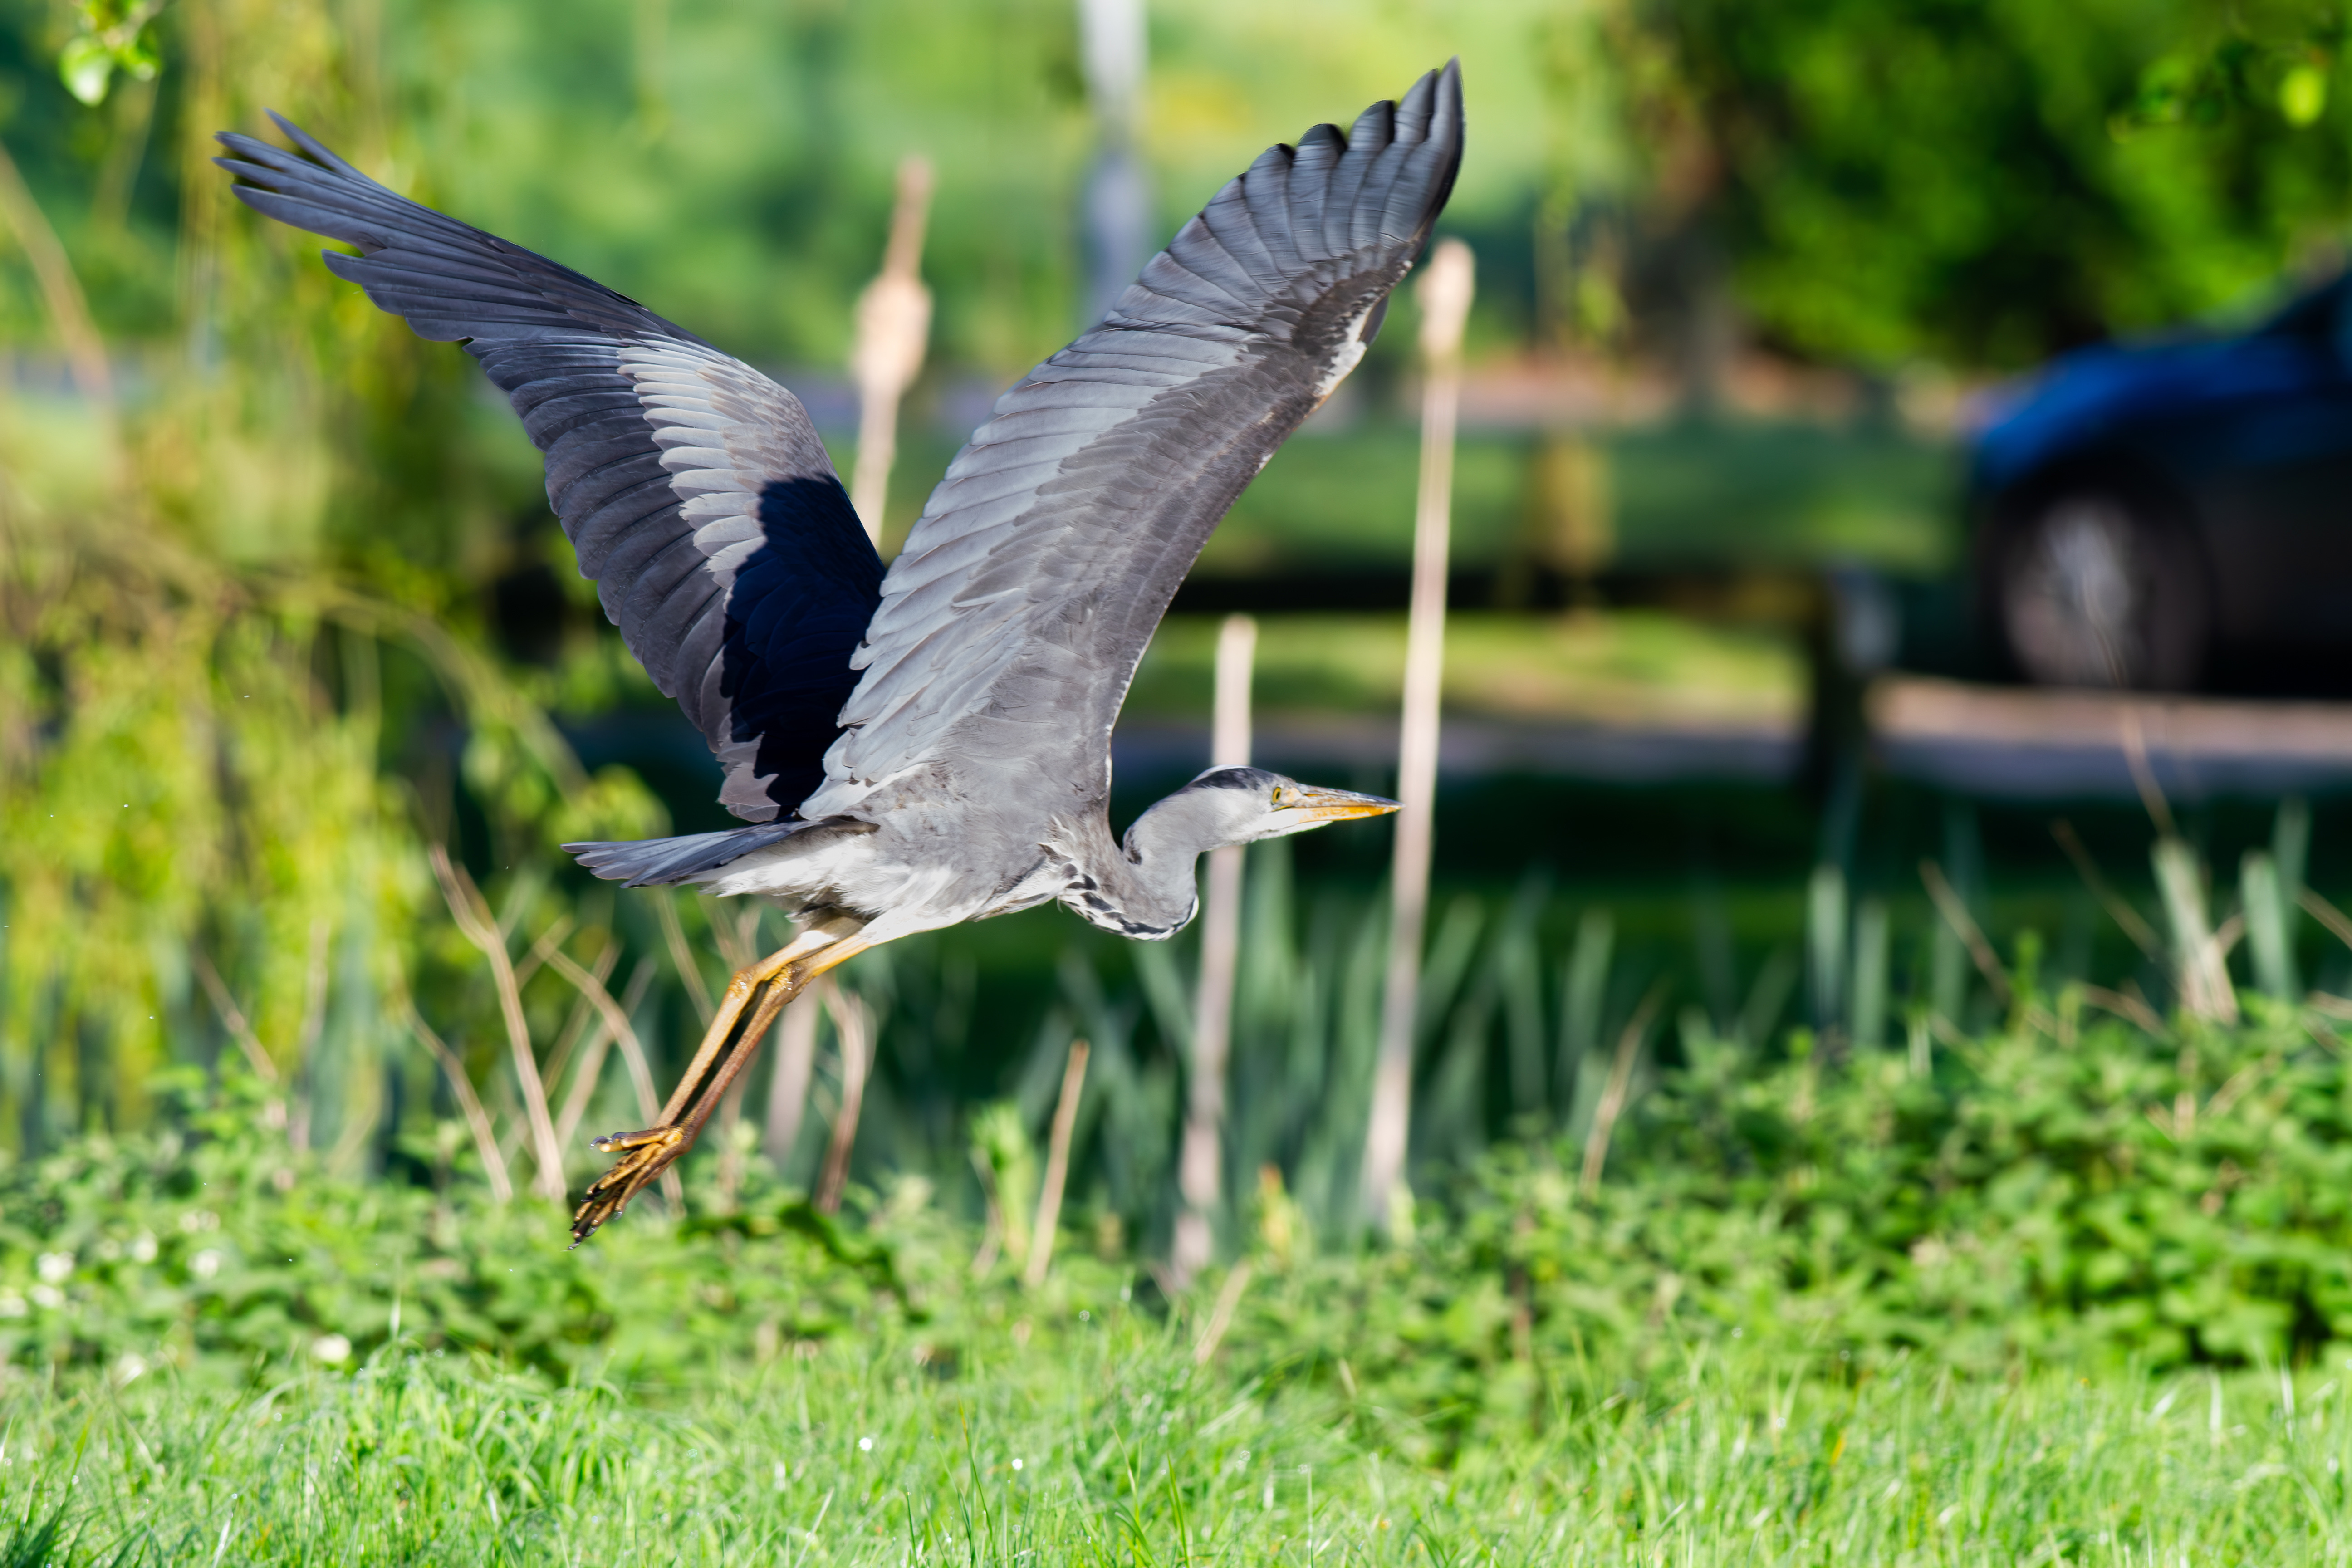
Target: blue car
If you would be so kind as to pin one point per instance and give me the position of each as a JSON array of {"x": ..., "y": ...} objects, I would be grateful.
[{"x": 2157, "y": 516}]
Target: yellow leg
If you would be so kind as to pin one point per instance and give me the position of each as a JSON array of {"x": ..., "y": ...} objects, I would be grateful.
[
  {"x": 643, "y": 1156},
  {"x": 739, "y": 992}
]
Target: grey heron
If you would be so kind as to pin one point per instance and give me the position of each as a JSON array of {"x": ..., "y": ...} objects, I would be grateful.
[{"x": 930, "y": 745}]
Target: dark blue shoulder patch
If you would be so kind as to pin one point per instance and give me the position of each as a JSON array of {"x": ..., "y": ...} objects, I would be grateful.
[{"x": 800, "y": 604}]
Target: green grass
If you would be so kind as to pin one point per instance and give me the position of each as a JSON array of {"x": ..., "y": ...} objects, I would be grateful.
[
  {"x": 1728, "y": 494},
  {"x": 1627, "y": 667},
  {"x": 1712, "y": 494},
  {"x": 2016, "y": 1308},
  {"x": 1110, "y": 1445}
]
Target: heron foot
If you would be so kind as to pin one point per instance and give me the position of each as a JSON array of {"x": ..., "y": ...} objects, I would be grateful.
[
  {"x": 643, "y": 1157},
  {"x": 727, "y": 1050}
]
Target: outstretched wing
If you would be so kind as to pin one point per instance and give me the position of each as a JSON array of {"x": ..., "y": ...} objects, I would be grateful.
[
  {"x": 1013, "y": 622},
  {"x": 693, "y": 489}
]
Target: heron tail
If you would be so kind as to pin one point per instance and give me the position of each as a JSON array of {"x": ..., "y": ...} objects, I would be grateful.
[{"x": 649, "y": 862}]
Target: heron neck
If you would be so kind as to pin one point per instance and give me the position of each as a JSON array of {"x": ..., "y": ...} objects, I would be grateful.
[{"x": 1143, "y": 888}]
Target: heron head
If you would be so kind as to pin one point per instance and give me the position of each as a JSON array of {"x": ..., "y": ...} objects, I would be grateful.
[{"x": 1242, "y": 805}]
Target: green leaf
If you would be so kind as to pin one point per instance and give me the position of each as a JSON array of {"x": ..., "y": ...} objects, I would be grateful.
[
  {"x": 86, "y": 65},
  {"x": 2303, "y": 96},
  {"x": 141, "y": 56}
]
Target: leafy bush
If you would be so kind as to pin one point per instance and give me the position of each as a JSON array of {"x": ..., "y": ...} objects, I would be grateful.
[
  {"x": 213, "y": 1244},
  {"x": 2064, "y": 1188},
  {"x": 2068, "y": 1187}
]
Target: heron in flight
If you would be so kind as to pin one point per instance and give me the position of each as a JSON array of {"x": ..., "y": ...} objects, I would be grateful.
[{"x": 916, "y": 747}]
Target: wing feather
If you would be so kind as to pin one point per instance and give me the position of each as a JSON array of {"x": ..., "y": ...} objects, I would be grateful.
[
  {"x": 1342, "y": 218},
  {"x": 1311, "y": 182},
  {"x": 693, "y": 487},
  {"x": 1010, "y": 626},
  {"x": 1227, "y": 221},
  {"x": 1266, "y": 195}
]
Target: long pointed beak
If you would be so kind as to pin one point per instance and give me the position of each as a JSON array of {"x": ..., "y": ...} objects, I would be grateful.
[{"x": 1340, "y": 805}]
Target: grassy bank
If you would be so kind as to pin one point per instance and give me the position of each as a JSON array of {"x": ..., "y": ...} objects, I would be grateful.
[{"x": 1113, "y": 1446}]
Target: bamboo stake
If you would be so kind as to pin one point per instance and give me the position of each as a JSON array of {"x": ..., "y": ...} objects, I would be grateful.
[
  {"x": 1115, "y": 215},
  {"x": 735, "y": 944},
  {"x": 1445, "y": 295},
  {"x": 789, "y": 1082},
  {"x": 473, "y": 918},
  {"x": 894, "y": 321},
  {"x": 851, "y": 1023},
  {"x": 1058, "y": 1167},
  {"x": 1200, "y": 1167},
  {"x": 730, "y": 1157}
]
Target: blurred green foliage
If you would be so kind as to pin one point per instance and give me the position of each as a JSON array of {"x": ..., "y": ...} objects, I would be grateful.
[
  {"x": 114, "y": 36},
  {"x": 1980, "y": 183},
  {"x": 732, "y": 162}
]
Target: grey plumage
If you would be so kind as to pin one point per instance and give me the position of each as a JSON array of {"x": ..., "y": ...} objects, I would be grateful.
[
  {"x": 652, "y": 862},
  {"x": 685, "y": 478},
  {"x": 1035, "y": 576},
  {"x": 933, "y": 746}
]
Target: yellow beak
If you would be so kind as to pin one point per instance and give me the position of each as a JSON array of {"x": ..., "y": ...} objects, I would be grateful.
[{"x": 1337, "y": 805}]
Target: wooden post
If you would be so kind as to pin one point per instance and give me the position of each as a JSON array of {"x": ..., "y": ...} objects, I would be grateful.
[
  {"x": 731, "y": 1156},
  {"x": 1058, "y": 1167},
  {"x": 1200, "y": 1166},
  {"x": 894, "y": 321},
  {"x": 853, "y": 1024},
  {"x": 1114, "y": 216},
  {"x": 1445, "y": 296},
  {"x": 796, "y": 1061}
]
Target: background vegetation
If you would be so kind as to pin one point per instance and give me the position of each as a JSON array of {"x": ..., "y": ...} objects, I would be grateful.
[{"x": 1732, "y": 1143}]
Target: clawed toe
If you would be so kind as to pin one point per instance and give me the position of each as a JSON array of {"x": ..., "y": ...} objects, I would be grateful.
[
  {"x": 643, "y": 1156},
  {"x": 618, "y": 1142}
]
